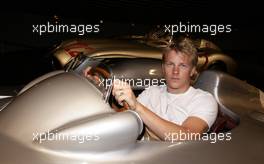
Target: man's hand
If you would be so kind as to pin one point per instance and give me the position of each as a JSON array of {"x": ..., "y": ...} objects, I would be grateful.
[
  {"x": 123, "y": 93},
  {"x": 87, "y": 74}
]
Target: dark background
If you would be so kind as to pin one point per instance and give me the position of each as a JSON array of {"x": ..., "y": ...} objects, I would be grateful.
[{"x": 24, "y": 54}]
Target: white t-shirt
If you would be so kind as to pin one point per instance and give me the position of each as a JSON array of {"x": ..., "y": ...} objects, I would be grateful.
[{"x": 178, "y": 107}]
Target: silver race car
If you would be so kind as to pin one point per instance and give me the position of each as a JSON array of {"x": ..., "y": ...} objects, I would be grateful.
[{"x": 67, "y": 116}]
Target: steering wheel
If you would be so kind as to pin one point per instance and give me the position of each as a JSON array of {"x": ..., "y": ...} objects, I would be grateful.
[{"x": 100, "y": 74}]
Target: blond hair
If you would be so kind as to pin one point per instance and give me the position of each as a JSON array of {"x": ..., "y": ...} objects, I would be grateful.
[{"x": 185, "y": 46}]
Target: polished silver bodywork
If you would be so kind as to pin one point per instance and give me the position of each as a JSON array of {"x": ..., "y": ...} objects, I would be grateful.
[
  {"x": 68, "y": 104},
  {"x": 209, "y": 55}
]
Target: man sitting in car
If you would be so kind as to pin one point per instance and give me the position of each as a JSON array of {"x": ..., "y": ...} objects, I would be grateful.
[{"x": 176, "y": 107}]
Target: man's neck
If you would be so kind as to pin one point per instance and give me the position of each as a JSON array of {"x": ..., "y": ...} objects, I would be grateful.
[{"x": 178, "y": 90}]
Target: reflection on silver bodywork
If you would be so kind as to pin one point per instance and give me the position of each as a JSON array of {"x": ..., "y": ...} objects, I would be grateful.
[
  {"x": 99, "y": 133},
  {"x": 39, "y": 79},
  {"x": 233, "y": 95},
  {"x": 49, "y": 104},
  {"x": 5, "y": 101},
  {"x": 70, "y": 105}
]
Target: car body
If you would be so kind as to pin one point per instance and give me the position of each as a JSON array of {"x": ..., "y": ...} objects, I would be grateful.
[
  {"x": 210, "y": 56},
  {"x": 65, "y": 103}
]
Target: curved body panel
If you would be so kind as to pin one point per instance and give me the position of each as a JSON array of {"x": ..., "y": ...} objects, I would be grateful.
[
  {"x": 49, "y": 104},
  {"x": 68, "y": 104}
]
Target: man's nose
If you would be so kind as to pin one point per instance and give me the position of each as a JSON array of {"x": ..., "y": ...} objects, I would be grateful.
[{"x": 175, "y": 69}]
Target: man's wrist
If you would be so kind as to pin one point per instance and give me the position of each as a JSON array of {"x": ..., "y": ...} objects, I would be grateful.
[{"x": 136, "y": 107}]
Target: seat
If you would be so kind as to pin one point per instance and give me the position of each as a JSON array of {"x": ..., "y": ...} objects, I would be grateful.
[
  {"x": 212, "y": 81},
  {"x": 223, "y": 123}
]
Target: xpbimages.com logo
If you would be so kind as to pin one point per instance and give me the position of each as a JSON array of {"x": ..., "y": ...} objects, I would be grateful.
[
  {"x": 211, "y": 137},
  {"x": 54, "y": 136},
  {"x": 137, "y": 82},
  {"x": 211, "y": 29},
  {"x": 80, "y": 29}
]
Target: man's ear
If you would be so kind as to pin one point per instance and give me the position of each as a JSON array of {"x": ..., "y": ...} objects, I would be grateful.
[
  {"x": 162, "y": 67},
  {"x": 193, "y": 75},
  {"x": 193, "y": 72}
]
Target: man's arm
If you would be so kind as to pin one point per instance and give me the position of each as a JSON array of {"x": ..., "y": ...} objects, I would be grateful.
[
  {"x": 159, "y": 126},
  {"x": 163, "y": 127}
]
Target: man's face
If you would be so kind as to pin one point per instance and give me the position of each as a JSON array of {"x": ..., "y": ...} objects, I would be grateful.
[{"x": 177, "y": 69}]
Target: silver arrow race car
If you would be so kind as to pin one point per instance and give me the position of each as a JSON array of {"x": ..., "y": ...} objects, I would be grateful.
[{"x": 66, "y": 117}]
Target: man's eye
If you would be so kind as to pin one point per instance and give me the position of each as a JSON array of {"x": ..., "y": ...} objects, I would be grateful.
[
  {"x": 169, "y": 64},
  {"x": 183, "y": 65}
]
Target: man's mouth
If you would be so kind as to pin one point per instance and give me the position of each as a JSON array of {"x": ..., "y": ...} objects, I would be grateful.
[{"x": 175, "y": 78}]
